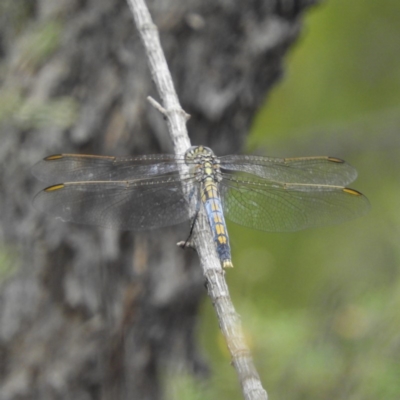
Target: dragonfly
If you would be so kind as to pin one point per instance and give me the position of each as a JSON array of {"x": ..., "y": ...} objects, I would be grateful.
[{"x": 153, "y": 191}]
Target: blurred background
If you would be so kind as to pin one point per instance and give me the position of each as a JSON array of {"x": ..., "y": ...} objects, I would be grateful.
[
  {"x": 89, "y": 314},
  {"x": 320, "y": 307}
]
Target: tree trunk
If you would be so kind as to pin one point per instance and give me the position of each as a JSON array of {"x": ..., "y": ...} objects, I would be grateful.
[{"x": 92, "y": 313}]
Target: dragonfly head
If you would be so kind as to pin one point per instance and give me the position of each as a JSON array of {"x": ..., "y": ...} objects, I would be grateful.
[{"x": 197, "y": 151}]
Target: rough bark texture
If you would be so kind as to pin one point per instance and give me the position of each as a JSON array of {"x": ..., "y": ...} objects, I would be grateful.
[{"x": 93, "y": 313}]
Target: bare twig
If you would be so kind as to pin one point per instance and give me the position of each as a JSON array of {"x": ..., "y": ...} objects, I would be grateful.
[
  {"x": 157, "y": 106},
  {"x": 217, "y": 288}
]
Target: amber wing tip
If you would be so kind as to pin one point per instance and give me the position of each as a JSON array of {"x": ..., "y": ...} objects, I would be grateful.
[
  {"x": 336, "y": 160},
  {"x": 352, "y": 191},
  {"x": 53, "y": 188},
  {"x": 53, "y": 157}
]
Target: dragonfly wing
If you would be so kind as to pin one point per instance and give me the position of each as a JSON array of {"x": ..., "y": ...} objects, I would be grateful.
[
  {"x": 128, "y": 205},
  {"x": 78, "y": 168},
  {"x": 275, "y": 207},
  {"x": 312, "y": 170}
]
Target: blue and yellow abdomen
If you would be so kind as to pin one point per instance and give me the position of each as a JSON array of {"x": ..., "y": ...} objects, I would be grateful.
[{"x": 213, "y": 206}]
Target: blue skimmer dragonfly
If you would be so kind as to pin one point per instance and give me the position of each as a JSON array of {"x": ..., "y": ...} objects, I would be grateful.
[{"x": 153, "y": 191}]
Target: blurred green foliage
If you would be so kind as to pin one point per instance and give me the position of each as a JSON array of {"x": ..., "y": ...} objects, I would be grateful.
[
  {"x": 37, "y": 44},
  {"x": 34, "y": 47},
  {"x": 8, "y": 262},
  {"x": 36, "y": 113},
  {"x": 320, "y": 307}
]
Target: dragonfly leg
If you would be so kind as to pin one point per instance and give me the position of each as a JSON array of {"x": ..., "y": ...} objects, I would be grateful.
[{"x": 187, "y": 241}]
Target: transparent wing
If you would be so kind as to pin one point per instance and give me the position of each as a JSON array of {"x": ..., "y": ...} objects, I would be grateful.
[
  {"x": 75, "y": 167},
  {"x": 276, "y": 207},
  {"x": 128, "y": 205},
  {"x": 312, "y": 170}
]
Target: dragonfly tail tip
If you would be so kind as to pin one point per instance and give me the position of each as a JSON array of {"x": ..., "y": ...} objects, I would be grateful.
[{"x": 227, "y": 264}]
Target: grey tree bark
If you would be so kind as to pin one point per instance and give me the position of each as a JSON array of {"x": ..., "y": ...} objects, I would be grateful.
[{"x": 91, "y": 313}]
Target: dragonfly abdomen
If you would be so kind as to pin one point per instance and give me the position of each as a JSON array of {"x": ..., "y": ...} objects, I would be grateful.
[{"x": 213, "y": 206}]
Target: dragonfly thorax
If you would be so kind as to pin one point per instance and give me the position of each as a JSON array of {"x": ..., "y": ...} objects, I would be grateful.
[{"x": 205, "y": 163}]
